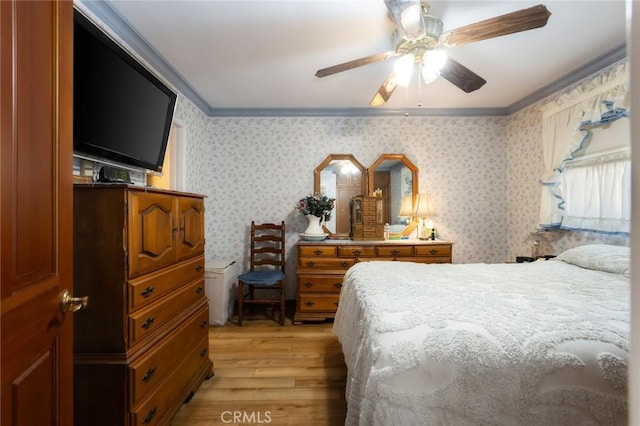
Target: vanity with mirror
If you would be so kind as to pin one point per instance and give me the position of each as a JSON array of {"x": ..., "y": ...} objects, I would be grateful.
[{"x": 322, "y": 264}]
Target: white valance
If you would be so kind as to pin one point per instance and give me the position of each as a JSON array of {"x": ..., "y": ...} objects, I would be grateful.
[{"x": 566, "y": 127}]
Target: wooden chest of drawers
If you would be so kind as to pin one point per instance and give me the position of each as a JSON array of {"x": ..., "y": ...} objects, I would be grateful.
[
  {"x": 321, "y": 267},
  {"x": 141, "y": 347}
]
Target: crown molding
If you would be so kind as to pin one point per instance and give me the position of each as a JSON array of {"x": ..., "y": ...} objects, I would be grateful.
[
  {"x": 616, "y": 54},
  {"x": 357, "y": 112},
  {"x": 119, "y": 27}
]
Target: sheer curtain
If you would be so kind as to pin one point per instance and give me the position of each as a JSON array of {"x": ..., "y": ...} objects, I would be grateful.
[
  {"x": 597, "y": 194},
  {"x": 566, "y": 128}
]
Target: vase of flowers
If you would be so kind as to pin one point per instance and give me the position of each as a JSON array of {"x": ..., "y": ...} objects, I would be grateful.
[{"x": 316, "y": 208}]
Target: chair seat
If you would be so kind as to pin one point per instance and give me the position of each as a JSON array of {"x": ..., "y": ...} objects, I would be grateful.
[{"x": 262, "y": 277}]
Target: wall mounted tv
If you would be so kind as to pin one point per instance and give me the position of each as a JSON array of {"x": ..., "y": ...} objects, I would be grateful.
[{"x": 121, "y": 111}]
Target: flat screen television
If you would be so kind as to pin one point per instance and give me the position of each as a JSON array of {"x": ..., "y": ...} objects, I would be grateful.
[{"x": 121, "y": 111}]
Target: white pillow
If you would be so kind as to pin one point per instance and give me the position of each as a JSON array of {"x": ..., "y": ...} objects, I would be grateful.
[{"x": 601, "y": 257}]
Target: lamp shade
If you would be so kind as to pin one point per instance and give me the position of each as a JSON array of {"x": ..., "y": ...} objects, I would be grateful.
[
  {"x": 424, "y": 206},
  {"x": 403, "y": 69},
  {"x": 406, "y": 209}
]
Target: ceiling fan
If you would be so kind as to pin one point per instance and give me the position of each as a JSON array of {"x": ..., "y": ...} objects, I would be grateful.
[{"x": 419, "y": 39}]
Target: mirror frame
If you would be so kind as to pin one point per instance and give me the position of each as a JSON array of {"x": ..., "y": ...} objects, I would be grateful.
[
  {"x": 414, "y": 184},
  {"x": 316, "y": 183}
]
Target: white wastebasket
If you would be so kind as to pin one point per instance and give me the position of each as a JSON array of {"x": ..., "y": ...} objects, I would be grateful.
[{"x": 220, "y": 280}]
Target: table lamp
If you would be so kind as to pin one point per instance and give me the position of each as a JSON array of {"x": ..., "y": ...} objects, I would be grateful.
[{"x": 424, "y": 210}]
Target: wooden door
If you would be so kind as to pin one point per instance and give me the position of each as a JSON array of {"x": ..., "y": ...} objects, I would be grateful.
[
  {"x": 191, "y": 225},
  {"x": 382, "y": 180},
  {"x": 152, "y": 229},
  {"x": 347, "y": 186},
  {"x": 36, "y": 212}
]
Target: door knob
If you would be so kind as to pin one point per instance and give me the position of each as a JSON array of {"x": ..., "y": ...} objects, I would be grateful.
[{"x": 70, "y": 303}]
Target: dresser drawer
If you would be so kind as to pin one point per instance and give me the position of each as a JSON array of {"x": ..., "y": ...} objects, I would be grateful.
[
  {"x": 324, "y": 262},
  {"x": 146, "y": 321},
  {"x": 394, "y": 251},
  {"x": 152, "y": 409},
  {"x": 318, "y": 302},
  {"x": 429, "y": 259},
  {"x": 151, "y": 287},
  {"x": 319, "y": 283},
  {"x": 356, "y": 251},
  {"x": 434, "y": 250},
  {"x": 317, "y": 251},
  {"x": 155, "y": 365}
]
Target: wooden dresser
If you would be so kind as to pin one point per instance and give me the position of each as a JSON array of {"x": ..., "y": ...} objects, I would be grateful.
[
  {"x": 321, "y": 267},
  {"x": 141, "y": 346}
]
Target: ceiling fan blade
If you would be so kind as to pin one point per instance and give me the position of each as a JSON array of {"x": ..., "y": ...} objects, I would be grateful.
[
  {"x": 521, "y": 20},
  {"x": 355, "y": 63},
  {"x": 385, "y": 91},
  {"x": 461, "y": 76}
]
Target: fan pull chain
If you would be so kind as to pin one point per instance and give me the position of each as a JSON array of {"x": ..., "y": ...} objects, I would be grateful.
[
  {"x": 406, "y": 100},
  {"x": 419, "y": 85}
]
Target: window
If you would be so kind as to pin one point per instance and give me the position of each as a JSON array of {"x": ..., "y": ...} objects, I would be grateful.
[{"x": 596, "y": 194}]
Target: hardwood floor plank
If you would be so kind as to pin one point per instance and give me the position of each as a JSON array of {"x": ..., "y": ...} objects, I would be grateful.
[
  {"x": 268, "y": 394},
  {"x": 308, "y": 372},
  {"x": 255, "y": 382},
  {"x": 294, "y": 375}
]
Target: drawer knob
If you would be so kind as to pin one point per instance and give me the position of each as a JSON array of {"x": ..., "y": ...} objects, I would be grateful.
[
  {"x": 199, "y": 268},
  {"x": 310, "y": 264},
  {"x": 344, "y": 263},
  {"x": 338, "y": 285},
  {"x": 433, "y": 251},
  {"x": 199, "y": 290},
  {"x": 150, "y": 415},
  {"x": 317, "y": 252},
  {"x": 308, "y": 285},
  {"x": 356, "y": 252},
  {"x": 148, "y": 323},
  {"x": 147, "y": 291},
  {"x": 203, "y": 352},
  {"x": 336, "y": 303},
  {"x": 395, "y": 252},
  {"x": 203, "y": 324},
  {"x": 309, "y": 303},
  {"x": 149, "y": 374}
]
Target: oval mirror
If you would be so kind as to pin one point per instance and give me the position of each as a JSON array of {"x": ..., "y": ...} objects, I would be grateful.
[
  {"x": 395, "y": 177},
  {"x": 342, "y": 177}
]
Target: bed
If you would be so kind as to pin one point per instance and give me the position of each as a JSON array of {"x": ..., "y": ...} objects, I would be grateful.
[{"x": 541, "y": 343}]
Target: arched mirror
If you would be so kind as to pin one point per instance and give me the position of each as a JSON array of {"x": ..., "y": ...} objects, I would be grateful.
[
  {"x": 342, "y": 177},
  {"x": 395, "y": 177}
]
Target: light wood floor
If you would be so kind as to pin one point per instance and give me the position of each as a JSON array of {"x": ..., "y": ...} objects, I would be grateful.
[{"x": 270, "y": 374}]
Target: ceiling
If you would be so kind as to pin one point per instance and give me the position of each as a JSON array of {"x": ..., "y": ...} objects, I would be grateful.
[{"x": 245, "y": 55}]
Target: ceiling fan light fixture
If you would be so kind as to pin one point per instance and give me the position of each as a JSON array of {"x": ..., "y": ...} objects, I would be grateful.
[
  {"x": 407, "y": 14},
  {"x": 432, "y": 26},
  {"x": 411, "y": 19},
  {"x": 403, "y": 69},
  {"x": 435, "y": 59},
  {"x": 429, "y": 74}
]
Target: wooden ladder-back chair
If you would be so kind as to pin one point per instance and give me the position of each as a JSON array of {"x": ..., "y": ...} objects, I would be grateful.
[{"x": 267, "y": 261}]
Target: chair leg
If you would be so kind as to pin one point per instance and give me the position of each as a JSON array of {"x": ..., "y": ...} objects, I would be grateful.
[
  {"x": 240, "y": 297},
  {"x": 282, "y": 294}
]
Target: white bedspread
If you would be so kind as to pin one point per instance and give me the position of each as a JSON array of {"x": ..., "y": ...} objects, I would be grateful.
[{"x": 543, "y": 343}]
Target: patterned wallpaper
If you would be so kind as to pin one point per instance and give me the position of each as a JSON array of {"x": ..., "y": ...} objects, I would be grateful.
[{"x": 482, "y": 173}]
